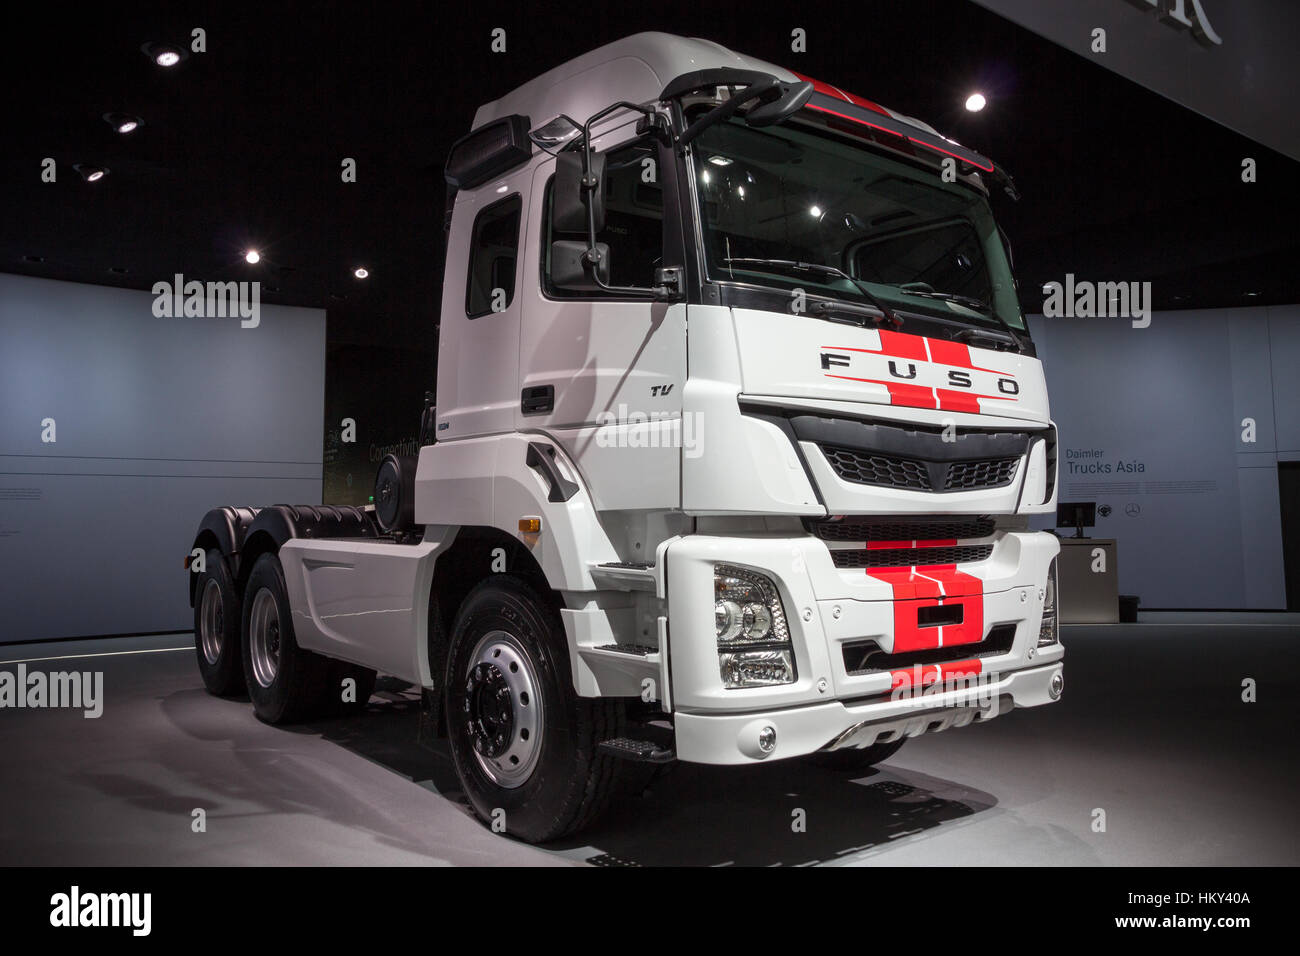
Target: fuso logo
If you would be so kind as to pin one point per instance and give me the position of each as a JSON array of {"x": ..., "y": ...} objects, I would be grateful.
[{"x": 921, "y": 372}]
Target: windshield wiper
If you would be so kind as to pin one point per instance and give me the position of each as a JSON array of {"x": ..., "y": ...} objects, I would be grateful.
[
  {"x": 790, "y": 264},
  {"x": 977, "y": 305}
]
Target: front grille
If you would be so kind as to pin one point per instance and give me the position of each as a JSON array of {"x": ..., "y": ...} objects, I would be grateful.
[
  {"x": 894, "y": 471},
  {"x": 990, "y": 473},
  {"x": 866, "y": 657},
  {"x": 923, "y": 529},
  {"x": 886, "y": 470},
  {"x": 907, "y": 557}
]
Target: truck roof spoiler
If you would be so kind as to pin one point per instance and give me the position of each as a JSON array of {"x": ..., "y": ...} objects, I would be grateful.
[{"x": 879, "y": 120}]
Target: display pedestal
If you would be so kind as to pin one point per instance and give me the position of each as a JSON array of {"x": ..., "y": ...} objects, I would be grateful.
[{"x": 1088, "y": 596}]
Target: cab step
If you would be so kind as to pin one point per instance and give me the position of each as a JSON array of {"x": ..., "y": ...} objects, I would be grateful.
[
  {"x": 642, "y": 751},
  {"x": 638, "y": 650},
  {"x": 624, "y": 576}
]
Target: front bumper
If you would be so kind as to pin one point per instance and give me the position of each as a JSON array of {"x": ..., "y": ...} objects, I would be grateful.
[
  {"x": 735, "y": 738},
  {"x": 831, "y": 610}
]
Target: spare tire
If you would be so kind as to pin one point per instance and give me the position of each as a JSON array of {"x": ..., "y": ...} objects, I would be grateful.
[{"x": 395, "y": 493}]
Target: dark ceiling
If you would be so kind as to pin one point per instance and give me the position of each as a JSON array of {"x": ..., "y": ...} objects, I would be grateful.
[{"x": 242, "y": 144}]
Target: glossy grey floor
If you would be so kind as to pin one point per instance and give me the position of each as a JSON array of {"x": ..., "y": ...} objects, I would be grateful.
[{"x": 1152, "y": 730}]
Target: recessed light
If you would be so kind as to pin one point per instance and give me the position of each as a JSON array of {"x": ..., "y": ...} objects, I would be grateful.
[
  {"x": 123, "y": 122},
  {"x": 976, "y": 102},
  {"x": 164, "y": 54},
  {"x": 720, "y": 160},
  {"x": 814, "y": 210},
  {"x": 91, "y": 174},
  {"x": 361, "y": 273},
  {"x": 252, "y": 257}
]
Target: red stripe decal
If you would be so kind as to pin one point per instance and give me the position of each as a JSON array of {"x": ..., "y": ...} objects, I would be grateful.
[
  {"x": 933, "y": 585},
  {"x": 828, "y": 90},
  {"x": 916, "y": 348}
]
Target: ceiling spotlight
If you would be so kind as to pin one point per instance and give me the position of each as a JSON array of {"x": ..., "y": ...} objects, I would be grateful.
[
  {"x": 164, "y": 54},
  {"x": 91, "y": 174},
  {"x": 252, "y": 257},
  {"x": 123, "y": 122},
  {"x": 976, "y": 102},
  {"x": 720, "y": 160},
  {"x": 815, "y": 210},
  {"x": 361, "y": 273}
]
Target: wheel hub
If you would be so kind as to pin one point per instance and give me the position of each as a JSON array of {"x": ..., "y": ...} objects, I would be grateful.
[
  {"x": 490, "y": 710},
  {"x": 211, "y": 622},
  {"x": 264, "y": 637},
  {"x": 502, "y": 709}
]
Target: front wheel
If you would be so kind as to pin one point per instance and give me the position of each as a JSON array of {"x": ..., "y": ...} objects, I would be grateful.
[{"x": 523, "y": 741}]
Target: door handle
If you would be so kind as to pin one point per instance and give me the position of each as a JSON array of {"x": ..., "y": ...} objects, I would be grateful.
[{"x": 537, "y": 399}]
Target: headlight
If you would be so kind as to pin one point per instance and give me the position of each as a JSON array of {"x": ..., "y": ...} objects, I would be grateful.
[
  {"x": 1049, "y": 631},
  {"x": 754, "y": 647}
]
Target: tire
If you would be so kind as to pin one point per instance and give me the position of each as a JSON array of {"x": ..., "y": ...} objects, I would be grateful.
[
  {"x": 216, "y": 627},
  {"x": 285, "y": 683},
  {"x": 339, "y": 671},
  {"x": 856, "y": 758},
  {"x": 508, "y": 693}
]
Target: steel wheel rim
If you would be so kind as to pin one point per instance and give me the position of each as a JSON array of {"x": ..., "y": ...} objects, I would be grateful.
[
  {"x": 211, "y": 621},
  {"x": 264, "y": 637},
  {"x": 500, "y": 664}
]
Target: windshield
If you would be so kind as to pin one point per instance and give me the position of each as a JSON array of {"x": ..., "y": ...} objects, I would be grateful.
[{"x": 801, "y": 194}]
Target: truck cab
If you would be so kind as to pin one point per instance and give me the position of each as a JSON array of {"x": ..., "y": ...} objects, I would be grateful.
[{"x": 737, "y": 430}]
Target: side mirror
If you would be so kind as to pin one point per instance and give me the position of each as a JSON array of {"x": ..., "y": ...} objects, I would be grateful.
[
  {"x": 570, "y": 198},
  {"x": 792, "y": 98},
  {"x": 570, "y": 269}
]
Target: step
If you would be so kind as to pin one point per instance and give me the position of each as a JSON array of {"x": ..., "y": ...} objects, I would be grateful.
[
  {"x": 637, "y": 650},
  {"x": 642, "y": 751},
  {"x": 624, "y": 576}
]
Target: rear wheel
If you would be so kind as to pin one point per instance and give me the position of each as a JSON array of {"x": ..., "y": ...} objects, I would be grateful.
[
  {"x": 523, "y": 741},
  {"x": 856, "y": 758},
  {"x": 216, "y": 627},
  {"x": 284, "y": 682}
]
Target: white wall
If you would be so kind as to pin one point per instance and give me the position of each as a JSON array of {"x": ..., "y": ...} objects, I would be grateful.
[
  {"x": 1199, "y": 527},
  {"x": 157, "y": 420}
]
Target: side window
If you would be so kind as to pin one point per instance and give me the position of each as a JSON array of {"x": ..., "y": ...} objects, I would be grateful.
[
  {"x": 634, "y": 217},
  {"x": 494, "y": 249}
]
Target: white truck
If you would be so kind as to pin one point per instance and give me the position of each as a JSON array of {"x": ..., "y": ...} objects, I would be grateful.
[{"x": 737, "y": 430}]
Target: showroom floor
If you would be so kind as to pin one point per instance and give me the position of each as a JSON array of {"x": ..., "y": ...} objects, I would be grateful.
[{"x": 1152, "y": 730}]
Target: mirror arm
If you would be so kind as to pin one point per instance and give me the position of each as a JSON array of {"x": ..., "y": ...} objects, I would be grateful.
[
  {"x": 589, "y": 182},
  {"x": 752, "y": 92}
]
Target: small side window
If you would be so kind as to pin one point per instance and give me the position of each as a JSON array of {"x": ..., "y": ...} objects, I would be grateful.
[
  {"x": 493, "y": 253},
  {"x": 634, "y": 221}
]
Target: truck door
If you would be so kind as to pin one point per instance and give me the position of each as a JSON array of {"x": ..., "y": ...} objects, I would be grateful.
[
  {"x": 478, "y": 342},
  {"x": 603, "y": 375}
]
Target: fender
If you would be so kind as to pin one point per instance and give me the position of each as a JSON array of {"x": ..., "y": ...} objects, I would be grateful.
[
  {"x": 488, "y": 482},
  {"x": 224, "y": 529}
]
